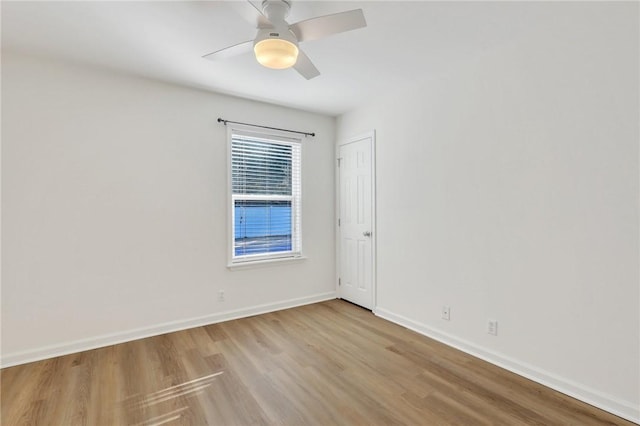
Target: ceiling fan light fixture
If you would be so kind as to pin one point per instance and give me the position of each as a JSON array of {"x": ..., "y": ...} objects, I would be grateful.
[
  {"x": 276, "y": 53},
  {"x": 276, "y": 43}
]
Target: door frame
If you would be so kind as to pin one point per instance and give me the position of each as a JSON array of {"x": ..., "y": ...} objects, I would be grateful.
[{"x": 374, "y": 234}]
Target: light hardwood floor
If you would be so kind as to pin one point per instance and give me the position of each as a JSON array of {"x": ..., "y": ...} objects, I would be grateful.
[{"x": 322, "y": 364}]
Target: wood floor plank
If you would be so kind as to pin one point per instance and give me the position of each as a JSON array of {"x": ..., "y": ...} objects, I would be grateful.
[{"x": 326, "y": 363}]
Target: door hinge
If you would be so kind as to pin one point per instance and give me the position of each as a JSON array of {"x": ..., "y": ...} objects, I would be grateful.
[
  {"x": 339, "y": 281},
  {"x": 339, "y": 161},
  {"x": 338, "y": 221}
]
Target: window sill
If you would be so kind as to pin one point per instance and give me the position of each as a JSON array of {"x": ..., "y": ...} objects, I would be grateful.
[{"x": 264, "y": 263}]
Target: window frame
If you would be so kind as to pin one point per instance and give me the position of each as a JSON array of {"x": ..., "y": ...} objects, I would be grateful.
[{"x": 275, "y": 136}]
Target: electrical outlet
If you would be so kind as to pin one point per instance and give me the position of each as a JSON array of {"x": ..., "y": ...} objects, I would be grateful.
[
  {"x": 221, "y": 296},
  {"x": 446, "y": 313},
  {"x": 492, "y": 327}
]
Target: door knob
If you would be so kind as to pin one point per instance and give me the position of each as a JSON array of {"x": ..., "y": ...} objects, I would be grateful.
[{"x": 366, "y": 233}]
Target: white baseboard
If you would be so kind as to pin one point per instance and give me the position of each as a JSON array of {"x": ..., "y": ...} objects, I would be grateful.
[
  {"x": 614, "y": 405},
  {"x": 17, "y": 358}
]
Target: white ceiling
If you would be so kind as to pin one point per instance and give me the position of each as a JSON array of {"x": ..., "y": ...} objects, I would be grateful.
[{"x": 403, "y": 43}]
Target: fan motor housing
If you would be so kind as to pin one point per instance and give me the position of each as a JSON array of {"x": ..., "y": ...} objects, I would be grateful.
[{"x": 275, "y": 33}]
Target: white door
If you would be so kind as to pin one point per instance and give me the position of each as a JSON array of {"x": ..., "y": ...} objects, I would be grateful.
[{"x": 356, "y": 248}]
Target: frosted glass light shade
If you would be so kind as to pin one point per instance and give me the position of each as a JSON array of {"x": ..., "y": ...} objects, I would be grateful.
[{"x": 276, "y": 53}]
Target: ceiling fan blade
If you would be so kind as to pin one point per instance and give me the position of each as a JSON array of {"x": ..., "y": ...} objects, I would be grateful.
[
  {"x": 324, "y": 26},
  {"x": 231, "y": 51},
  {"x": 305, "y": 67},
  {"x": 251, "y": 13}
]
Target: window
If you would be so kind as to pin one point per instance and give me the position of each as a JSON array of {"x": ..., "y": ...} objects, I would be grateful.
[{"x": 265, "y": 196}]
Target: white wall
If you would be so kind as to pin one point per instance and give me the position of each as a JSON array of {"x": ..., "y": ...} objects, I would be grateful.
[
  {"x": 509, "y": 190},
  {"x": 114, "y": 197}
]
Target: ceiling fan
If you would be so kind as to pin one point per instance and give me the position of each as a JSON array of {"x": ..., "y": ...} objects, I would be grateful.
[{"x": 276, "y": 44}]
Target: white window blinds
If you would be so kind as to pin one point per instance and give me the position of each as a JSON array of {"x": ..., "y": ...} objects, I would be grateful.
[{"x": 265, "y": 197}]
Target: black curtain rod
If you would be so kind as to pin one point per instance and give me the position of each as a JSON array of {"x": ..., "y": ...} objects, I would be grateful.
[{"x": 223, "y": 121}]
